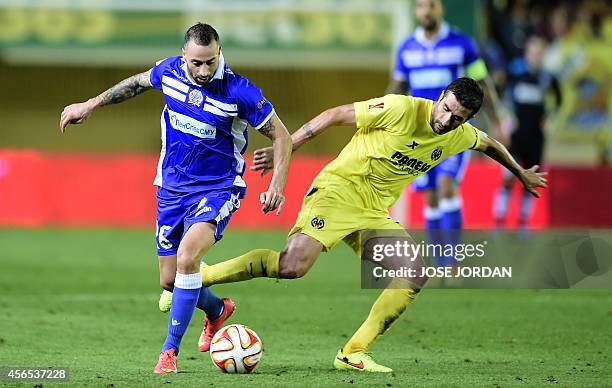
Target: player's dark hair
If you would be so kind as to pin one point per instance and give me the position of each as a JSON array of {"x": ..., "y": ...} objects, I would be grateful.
[
  {"x": 202, "y": 34},
  {"x": 468, "y": 93}
]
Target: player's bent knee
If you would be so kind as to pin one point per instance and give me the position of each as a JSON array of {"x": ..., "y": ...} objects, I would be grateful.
[
  {"x": 187, "y": 259},
  {"x": 431, "y": 198},
  {"x": 447, "y": 187},
  {"x": 166, "y": 280},
  {"x": 167, "y": 284},
  {"x": 291, "y": 265}
]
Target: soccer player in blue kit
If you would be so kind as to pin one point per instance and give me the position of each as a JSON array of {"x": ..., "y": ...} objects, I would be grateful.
[
  {"x": 428, "y": 60},
  {"x": 199, "y": 174}
]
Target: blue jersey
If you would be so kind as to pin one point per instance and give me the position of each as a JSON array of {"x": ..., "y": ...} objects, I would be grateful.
[
  {"x": 429, "y": 66},
  {"x": 204, "y": 128}
]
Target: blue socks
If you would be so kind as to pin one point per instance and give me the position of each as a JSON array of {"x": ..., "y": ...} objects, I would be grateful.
[
  {"x": 185, "y": 297},
  {"x": 451, "y": 213},
  {"x": 432, "y": 217},
  {"x": 210, "y": 303},
  {"x": 526, "y": 208},
  {"x": 451, "y": 224},
  {"x": 444, "y": 226}
]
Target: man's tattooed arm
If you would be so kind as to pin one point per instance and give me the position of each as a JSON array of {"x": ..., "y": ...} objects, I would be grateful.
[
  {"x": 128, "y": 88},
  {"x": 125, "y": 89},
  {"x": 340, "y": 115},
  {"x": 267, "y": 129},
  {"x": 280, "y": 156}
]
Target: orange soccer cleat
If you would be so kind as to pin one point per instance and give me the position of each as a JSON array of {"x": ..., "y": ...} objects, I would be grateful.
[
  {"x": 211, "y": 327},
  {"x": 167, "y": 363}
]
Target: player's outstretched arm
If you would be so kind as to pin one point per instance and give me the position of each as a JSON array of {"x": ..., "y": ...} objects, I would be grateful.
[
  {"x": 530, "y": 178},
  {"x": 126, "y": 89},
  {"x": 281, "y": 154},
  {"x": 340, "y": 115}
]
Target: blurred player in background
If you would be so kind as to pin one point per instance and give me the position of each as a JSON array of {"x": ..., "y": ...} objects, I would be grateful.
[
  {"x": 427, "y": 61},
  {"x": 199, "y": 175},
  {"x": 528, "y": 87},
  {"x": 398, "y": 138}
]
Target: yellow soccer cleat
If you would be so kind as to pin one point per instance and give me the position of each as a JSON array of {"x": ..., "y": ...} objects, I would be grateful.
[
  {"x": 165, "y": 301},
  {"x": 359, "y": 361}
]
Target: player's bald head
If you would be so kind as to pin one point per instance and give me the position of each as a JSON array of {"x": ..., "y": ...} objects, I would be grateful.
[{"x": 201, "y": 34}]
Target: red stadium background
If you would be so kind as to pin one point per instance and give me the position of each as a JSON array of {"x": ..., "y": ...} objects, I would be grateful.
[{"x": 66, "y": 189}]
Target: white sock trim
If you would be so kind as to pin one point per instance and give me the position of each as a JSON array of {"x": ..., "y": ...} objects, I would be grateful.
[
  {"x": 190, "y": 281},
  {"x": 432, "y": 213},
  {"x": 450, "y": 204}
]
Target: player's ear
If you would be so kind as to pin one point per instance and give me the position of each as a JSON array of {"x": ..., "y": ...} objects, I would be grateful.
[{"x": 183, "y": 51}]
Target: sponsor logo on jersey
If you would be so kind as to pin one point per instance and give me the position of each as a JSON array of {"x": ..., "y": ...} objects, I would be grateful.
[
  {"x": 191, "y": 126},
  {"x": 436, "y": 154},
  {"x": 408, "y": 164}
]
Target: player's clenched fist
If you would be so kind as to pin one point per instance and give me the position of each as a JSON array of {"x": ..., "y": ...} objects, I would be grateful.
[{"x": 75, "y": 114}]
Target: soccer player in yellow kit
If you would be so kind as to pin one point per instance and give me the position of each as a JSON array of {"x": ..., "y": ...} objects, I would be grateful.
[{"x": 398, "y": 138}]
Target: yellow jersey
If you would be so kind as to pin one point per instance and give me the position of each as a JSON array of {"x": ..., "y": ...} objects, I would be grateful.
[{"x": 393, "y": 145}]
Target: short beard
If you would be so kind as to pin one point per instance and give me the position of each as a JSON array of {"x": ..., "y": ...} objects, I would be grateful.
[{"x": 432, "y": 27}]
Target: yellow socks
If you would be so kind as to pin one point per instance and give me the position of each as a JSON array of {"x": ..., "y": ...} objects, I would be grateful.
[
  {"x": 254, "y": 264},
  {"x": 388, "y": 307}
]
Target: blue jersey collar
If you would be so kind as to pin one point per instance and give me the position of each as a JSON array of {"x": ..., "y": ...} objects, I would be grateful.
[{"x": 419, "y": 35}]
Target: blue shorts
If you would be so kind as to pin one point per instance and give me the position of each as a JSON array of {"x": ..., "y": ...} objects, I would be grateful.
[
  {"x": 453, "y": 166},
  {"x": 176, "y": 212}
]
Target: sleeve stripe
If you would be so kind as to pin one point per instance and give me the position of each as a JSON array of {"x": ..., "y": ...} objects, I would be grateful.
[
  {"x": 265, "y": 120},
  {"x": 477, "y": 139},
  {"x": 477, "y": 70}
]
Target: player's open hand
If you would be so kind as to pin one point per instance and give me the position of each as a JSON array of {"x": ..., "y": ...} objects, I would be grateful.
[
  {"x": 75, "y": 114},
  {"x": 531, "y": 179},
  {"x": 271, "y": 200},
  {"x": 263, "y": 160}
]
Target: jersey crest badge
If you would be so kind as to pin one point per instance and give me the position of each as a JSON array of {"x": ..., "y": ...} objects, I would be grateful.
[
  {"x": 436, "y": 154},
  {"x": 195, "y": 97},
  {"x": 317, "y": 222}
]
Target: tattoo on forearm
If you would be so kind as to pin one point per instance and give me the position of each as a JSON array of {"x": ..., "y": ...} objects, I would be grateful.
[
  {"x": 267, "y": 128},
  {"x": 307, "y": 128},
  {"x": 126, "y": 89}
]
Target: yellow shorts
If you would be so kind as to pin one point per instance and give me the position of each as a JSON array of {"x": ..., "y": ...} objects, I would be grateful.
[{"x": 337, "y": 213}]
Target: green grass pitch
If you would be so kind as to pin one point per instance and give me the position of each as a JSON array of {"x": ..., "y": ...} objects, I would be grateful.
[{"x": 87, "y": 300}]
